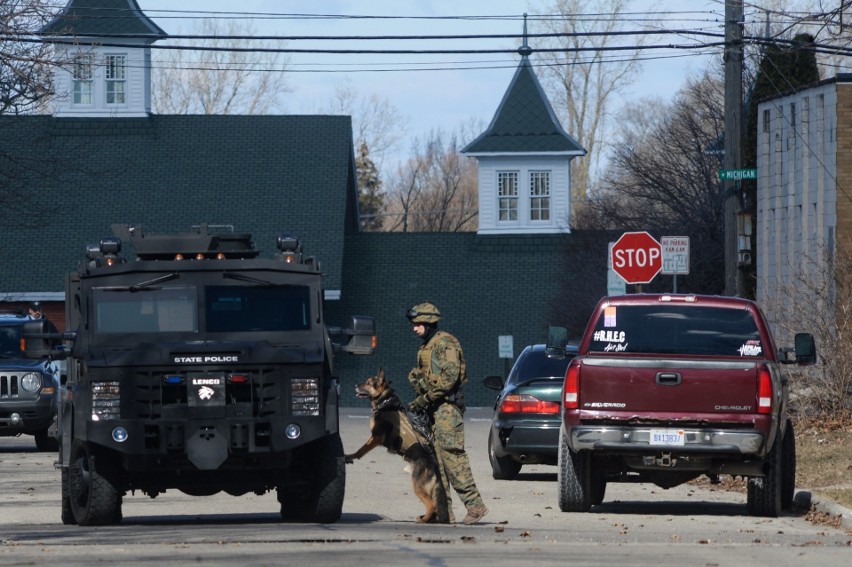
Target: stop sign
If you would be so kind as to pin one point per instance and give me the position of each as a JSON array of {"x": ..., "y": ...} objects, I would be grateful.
[{"x": 637, "y": 257}]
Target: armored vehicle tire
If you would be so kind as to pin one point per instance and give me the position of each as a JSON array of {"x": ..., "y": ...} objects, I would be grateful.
[
  {"x": 67, "y": 513},
  {"x": 95, "y": 498},
  {"x": 502, "y": 468},
  {"x": 45, "y": 442},
  {"x": 788, "y": 467},
  {"x": 574, "y": 476},
  {"x": 322, "y": 502},
  {"x": 764, "y": 492}
]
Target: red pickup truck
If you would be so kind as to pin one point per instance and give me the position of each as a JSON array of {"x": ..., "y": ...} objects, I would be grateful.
[{"x": 666, "y": 388}]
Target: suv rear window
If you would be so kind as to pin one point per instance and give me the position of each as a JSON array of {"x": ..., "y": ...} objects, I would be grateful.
[{"x": 676, "y": 329}]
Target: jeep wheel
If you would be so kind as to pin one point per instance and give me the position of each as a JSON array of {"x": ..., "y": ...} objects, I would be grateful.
[
  {"x": 502, "y": 468},
  {"x": 574, "y": 476},
  {"x": 45, "y": 442},
  {"x": 764, "y": 492},
  {"x": 788, "y": 467},
  {"x": 94, "y": 497},
  {"x": 322, "y": 501}
]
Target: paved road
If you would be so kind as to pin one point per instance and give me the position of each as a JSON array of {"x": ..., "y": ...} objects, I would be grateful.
[{"x": 636, "y": 524}]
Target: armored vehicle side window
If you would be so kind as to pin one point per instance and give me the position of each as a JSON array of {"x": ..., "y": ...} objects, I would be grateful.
[
  {"x": 233, "y": 309},
  {"x": 677, "y": 329},
  {"x": 159, "y": 310}
]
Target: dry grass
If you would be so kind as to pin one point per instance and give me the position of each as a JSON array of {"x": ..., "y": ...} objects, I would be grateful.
[{"x": 824, "y": 458}]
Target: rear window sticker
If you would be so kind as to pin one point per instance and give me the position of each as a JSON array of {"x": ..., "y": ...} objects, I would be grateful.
[
  {"x": 751, "y": 348},
  {"x": 609, "y": 316}
]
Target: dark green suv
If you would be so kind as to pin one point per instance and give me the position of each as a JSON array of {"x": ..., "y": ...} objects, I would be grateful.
[{"x": 27, "y": 387}]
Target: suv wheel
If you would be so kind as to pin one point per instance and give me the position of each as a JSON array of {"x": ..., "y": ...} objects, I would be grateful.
[
  {"x": 764, "y": 492},
  {"x": 574, "y": 476},
  {"x": 502, "y": 468},
  {"x": 92, "y": 489}
]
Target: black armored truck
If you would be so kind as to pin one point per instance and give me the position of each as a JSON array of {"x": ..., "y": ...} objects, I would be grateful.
[{"x": 199, "y": 366}]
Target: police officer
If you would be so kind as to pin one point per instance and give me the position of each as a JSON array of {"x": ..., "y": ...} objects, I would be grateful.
[{"x": 438, "y": 380}]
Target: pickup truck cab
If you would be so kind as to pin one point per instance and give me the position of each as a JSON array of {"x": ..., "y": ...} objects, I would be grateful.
[{"x": 666, "y": 388}]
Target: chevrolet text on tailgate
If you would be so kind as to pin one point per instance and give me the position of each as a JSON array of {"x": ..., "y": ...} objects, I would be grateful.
[
  {"x": 201, "y": 367},
  {"x": 666, "y": 388}
]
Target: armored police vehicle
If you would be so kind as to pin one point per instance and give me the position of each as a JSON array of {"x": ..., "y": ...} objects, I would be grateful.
[{"x": 203, "y": 367}]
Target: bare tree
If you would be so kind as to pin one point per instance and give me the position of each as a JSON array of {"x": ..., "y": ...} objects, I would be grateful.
[
  {"x": 436, "y": 189},
  {"x": 376, "y": 121},
  {"x": 663, "y": 176},
  {"x": 816, "y": 297},
  {"x": 582, "y": 84},
  {"x": 25, "y": 83},
  {"x": 218, "y": 81}
]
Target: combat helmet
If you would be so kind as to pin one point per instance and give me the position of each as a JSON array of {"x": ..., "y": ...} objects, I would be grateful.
[{"x": 424, "y": 313}]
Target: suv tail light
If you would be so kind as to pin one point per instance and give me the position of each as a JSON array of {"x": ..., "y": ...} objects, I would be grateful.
[
  {"x": 571, "y": 389},
  {"x": 764, "y": 391}
]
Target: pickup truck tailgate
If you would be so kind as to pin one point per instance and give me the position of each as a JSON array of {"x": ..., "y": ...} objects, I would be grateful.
[{"x": 653, "y": 388}]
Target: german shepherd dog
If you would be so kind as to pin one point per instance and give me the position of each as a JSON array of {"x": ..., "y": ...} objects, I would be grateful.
[{"x": 391, "y": 428}]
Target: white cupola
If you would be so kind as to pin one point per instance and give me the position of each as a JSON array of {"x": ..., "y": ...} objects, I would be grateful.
[{"x": 102, "y": 58}]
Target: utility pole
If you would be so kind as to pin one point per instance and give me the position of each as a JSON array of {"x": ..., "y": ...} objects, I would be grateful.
[{"x": 733, "y": 139}]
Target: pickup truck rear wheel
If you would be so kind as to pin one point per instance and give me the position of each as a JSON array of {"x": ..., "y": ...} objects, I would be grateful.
[
  {"x": 788, "y": 467},
  {"x": 574, "y": 477},
  {"x": 764, "y": 492}
]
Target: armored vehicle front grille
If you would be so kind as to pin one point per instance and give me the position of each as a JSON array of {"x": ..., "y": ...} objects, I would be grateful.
[{"x": 262, "y": 392}]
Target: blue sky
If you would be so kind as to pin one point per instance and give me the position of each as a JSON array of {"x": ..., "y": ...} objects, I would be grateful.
[{"x": 429, "y": 99}]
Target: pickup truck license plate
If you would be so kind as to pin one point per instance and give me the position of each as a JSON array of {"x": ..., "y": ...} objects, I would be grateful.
[{"x": 670, "y": 437}]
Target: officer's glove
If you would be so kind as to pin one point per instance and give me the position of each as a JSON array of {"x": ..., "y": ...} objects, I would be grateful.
[
  {"x": 417, "y": 405},
  {"x": 418, "y": 380}
]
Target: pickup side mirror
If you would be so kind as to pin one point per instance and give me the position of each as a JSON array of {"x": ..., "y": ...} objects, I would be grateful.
[
  {"x": 493, "y": 383},
  {"x": 805, "y": 348},
  {"x": 557, "y": 338},
  {"x": 361, "y": 333}
]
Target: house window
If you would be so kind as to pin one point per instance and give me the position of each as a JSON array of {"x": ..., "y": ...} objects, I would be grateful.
[
  {"x": 115, "y": 77},
  {"x": 82, "y": 79},
  {"x": 507, "y": 195},
  {"x": 766, "y": 119},
  {"x": 539, "y": 195}
]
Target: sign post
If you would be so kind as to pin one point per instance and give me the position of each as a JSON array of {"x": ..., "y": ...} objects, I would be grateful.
[{"x": 637, "y": 257}]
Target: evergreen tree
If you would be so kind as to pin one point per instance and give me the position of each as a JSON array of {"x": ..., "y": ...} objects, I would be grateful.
[
  {"x": 782, "y": 69},
  {"x": 371, "y": 198}
]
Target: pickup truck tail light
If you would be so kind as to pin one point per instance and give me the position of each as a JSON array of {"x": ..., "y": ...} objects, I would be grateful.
[
  {"x": 571, "y": 389},
  {"x": 764, "y": 391}
]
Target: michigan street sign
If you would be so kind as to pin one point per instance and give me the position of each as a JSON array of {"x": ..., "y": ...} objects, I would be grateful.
[{"x": 737, "y": 174}]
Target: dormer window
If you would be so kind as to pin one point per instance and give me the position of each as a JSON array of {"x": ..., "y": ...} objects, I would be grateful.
[
  {"x": 82, "y": 78},
  {"x": 507, "y": 195},
  {"x": 539, "y": 195},
  {"x": 116, "y": 79}
]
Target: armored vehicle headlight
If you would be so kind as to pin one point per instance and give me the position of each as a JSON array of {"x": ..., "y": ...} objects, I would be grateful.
[{"x": 31, "y": 381}]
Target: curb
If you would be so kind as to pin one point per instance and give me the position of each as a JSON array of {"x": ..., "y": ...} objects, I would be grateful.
[{"x": 805, "y": 499}]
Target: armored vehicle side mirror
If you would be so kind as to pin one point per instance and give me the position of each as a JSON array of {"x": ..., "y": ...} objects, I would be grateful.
[
  {"x": 805, "y": 349},
  {"x": 557, "y": 338},
  {"x": 361, "y": 333},
  {"x": 39, "y": 341}
]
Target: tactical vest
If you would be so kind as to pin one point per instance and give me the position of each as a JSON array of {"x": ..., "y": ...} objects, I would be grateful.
[{"x": 424, "y": 362}]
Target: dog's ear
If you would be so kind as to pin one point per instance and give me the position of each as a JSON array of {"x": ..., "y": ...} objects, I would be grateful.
[{"x": 381, "y": 374}]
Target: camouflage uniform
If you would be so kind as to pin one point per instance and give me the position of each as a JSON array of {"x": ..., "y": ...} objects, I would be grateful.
[{"x": 437, "y": 381}]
